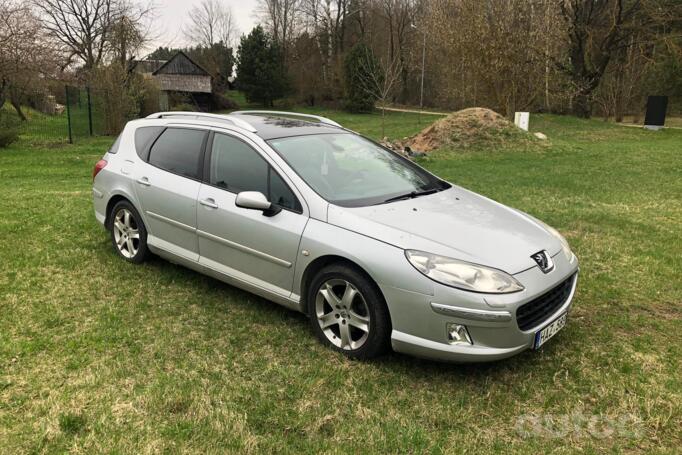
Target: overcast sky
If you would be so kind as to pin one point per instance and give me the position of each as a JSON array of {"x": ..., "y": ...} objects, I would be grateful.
[{"x": 171, "y": 15}]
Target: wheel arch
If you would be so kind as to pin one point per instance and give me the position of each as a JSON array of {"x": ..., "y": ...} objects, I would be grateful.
[
  {"x": 111, "y": 203},
  {"x": 320, "y": 263}
]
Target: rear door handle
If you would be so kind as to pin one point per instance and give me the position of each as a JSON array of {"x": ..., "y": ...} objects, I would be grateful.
[
  {"x": 210, "y": 202},
  {"x": 143, "y": 181}
]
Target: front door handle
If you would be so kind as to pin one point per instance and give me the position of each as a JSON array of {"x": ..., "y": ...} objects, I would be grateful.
[
  {"x": 143, "y": 181},
  {"x": 210, "y": 202}
]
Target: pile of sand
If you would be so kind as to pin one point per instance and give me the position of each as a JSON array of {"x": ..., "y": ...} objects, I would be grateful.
[{"x": 466, "y": 128}]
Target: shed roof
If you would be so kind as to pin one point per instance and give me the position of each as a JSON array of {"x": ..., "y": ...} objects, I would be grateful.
[
  {"x": 181, "y": 64},
  {"x": 147, "y": 66}
]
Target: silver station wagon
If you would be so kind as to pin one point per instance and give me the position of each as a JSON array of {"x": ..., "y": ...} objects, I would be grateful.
[{"x": 377, "y": 251}]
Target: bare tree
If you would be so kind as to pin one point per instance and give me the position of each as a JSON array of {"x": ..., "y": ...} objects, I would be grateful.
[
  {"x": 326, "y": 20},
  {"x": 380, "y": 81},
  {"x": 85, "y": 27},
  {"x": 82, "y": 26},
  {"x": 508, "y": 55},
  {"x": 280, "y": 18},
  {"x": 211, "y": 22},
  {"x": 497, "y": 50},
  {"x": 26, "y": 56},
  {"x": 595, "y": 28},
  {"x": 599, "y": 30},
  {"x": 399, "y": 16},
  {"x": 130, "y": 30}
]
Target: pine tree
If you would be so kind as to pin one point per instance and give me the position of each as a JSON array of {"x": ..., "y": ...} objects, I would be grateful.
[
  {"x": 358, "y": 65},
  {"x": 261, "y": 73}
]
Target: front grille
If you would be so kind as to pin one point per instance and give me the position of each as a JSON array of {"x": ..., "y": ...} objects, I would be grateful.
[{"x": 536, "y": 311}]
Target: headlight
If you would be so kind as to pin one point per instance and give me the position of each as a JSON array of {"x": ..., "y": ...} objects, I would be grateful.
[
  {"x": 463, "y": 275},
  {"x": 565, "y": 247}
]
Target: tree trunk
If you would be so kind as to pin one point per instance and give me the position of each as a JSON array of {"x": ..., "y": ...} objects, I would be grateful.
[
  {"x": 17, "y": 107},
  {"x": 3, "y": 92},
  {"x": 404, "y": 74},
  {"x": 582, "y": 106},
  {"x": 383, "y": 123}
]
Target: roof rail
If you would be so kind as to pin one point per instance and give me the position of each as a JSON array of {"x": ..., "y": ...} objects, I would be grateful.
[
  {"x": 203, "y": 115},
  {"x": 319, "y": 118}
]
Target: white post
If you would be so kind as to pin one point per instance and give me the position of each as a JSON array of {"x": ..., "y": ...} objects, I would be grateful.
[{"x": 521, "y": 120}]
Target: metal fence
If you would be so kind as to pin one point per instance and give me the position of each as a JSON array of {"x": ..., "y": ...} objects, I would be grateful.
[
  {"x": 66, "y": 114},
  {"x": 89, "y": 113}
]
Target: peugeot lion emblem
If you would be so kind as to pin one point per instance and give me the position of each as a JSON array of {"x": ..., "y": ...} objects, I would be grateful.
[{"x": 543, "y": 260}]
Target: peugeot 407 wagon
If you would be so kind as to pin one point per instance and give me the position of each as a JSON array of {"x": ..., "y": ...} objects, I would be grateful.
[{"x": 377, "y": 251}]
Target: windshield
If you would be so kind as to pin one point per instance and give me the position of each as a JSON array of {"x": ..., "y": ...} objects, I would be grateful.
[{"x": 351, "y": 171}]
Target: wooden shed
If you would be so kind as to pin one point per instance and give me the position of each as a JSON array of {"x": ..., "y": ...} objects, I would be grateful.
[{"x": 179, "y": 77}]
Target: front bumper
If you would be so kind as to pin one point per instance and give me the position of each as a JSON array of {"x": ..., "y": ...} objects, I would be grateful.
[{"x": 419, "y": 321}]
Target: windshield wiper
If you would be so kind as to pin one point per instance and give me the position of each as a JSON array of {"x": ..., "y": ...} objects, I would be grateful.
[{"x": 412, "y": 195}]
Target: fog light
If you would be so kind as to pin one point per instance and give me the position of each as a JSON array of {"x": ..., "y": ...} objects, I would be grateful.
[{"x": 458, "y": 334}]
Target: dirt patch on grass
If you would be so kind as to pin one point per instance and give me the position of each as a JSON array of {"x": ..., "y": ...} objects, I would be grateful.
[{"x": 468, "y": 128}]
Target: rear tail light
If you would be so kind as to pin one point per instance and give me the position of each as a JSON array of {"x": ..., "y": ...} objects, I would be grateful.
[{"x": 101, "y": 164}]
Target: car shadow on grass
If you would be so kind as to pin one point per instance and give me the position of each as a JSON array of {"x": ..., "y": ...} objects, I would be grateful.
[{"x": 267, "y": 312}]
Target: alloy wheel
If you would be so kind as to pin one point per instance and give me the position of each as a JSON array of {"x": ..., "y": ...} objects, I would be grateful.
[
  {"x": 126, "y": 233},
  {"x": 343, "y": 314}
]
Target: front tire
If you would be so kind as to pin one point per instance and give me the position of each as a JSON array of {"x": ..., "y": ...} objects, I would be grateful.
[
  {"x": 128, "y": 233},
  {"x": 348, "y": 312}
]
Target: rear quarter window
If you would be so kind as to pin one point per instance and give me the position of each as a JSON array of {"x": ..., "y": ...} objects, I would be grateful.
[
  {"x": 114, "y": 147},
  {"x": 144, "y": 136}
]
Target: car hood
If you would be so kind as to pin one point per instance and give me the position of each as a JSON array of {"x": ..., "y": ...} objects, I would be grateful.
[{"x": 456, "y": 223}]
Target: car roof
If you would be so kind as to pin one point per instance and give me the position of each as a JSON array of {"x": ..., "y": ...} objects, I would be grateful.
[
  {"x": 265, "y": 124},
  {"x": 272, "y": 127}
]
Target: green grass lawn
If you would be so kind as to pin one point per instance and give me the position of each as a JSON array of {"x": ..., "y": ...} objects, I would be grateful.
[{"x": 98, "y": 355}]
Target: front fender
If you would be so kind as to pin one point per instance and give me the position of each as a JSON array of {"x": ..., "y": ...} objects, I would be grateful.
[{"x": 384, "y": 263}]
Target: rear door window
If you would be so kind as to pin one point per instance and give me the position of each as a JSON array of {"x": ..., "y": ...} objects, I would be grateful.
[{"x": 179, "y": 150}]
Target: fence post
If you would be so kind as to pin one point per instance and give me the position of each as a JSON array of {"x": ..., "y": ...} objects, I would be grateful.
[
  {"x": 89, "y": 110},
  {"x": 68, "y": 113}
]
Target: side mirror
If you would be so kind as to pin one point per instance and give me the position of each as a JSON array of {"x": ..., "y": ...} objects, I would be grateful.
[{"x": 255, "y": 200}]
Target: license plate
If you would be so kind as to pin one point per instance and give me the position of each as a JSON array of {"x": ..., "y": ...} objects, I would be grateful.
[{"x": 548, "y": 332}]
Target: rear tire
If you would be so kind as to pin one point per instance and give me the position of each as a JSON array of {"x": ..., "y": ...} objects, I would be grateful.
[
  {"x": 348, "y": 313},
  {"x": 128, "y": 233}
]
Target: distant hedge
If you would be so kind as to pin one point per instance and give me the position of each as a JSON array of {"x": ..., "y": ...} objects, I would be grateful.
[{"x": 9, "y": 129}]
